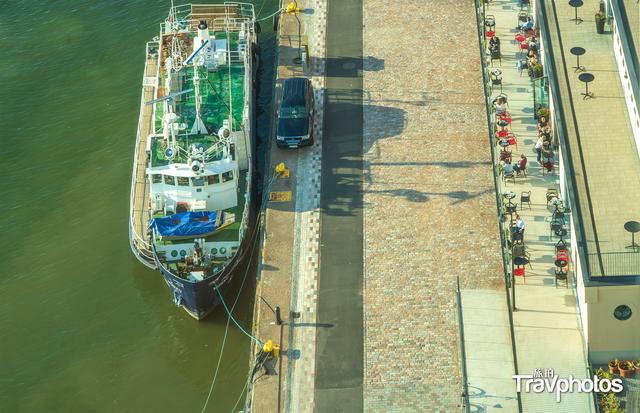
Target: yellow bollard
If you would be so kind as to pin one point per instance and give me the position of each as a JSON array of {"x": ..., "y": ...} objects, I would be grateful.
[
  {"x": 282, "y": 170},
  {"x": 292, "y": 8},
  {"x": 276, "y": 350}
]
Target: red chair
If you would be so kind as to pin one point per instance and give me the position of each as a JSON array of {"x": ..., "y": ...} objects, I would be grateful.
[
  {"x": 548, "y": 166},
  {"x": 503, "y": 133},
  {"x": 505, "y": 117},
  {"x": 520, "y": 37},
  {"x": 512, "y": 140},
  {"x": 519, "y": 272},
  {"x": 490, "y": 34}
]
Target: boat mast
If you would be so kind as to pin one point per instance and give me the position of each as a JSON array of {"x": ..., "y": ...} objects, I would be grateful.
[{"x": 204, "y": 42}]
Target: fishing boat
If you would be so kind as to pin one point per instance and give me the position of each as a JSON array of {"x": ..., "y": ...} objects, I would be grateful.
[{"x": 192, "y": 209}]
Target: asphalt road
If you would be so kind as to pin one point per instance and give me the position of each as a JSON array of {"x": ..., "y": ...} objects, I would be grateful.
[{"x": 339, "y": 353}]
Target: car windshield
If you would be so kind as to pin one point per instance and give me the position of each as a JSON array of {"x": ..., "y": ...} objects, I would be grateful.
[{"x": 293, "y": 112}]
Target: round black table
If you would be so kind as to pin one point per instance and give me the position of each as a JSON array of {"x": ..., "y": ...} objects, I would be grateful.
[
  {"x": 520, "y": 261},
  {"x": 586, "y": 78},
  {"x": 509, "y": 195},
  {"x": 561, "y": 263},
  {"x": 562, "y": 232},
  {"x": 504, "y": 142},
  {"x": 577, "y": 52},
  {"x": 575, "y": 4},
  {"x": 632, "y": 227}
]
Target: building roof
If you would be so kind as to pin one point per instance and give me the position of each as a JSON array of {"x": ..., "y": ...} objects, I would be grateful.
[{"x": 597, "y": 143}]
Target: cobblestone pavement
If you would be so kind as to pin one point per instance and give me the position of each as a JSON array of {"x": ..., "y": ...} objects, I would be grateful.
[{"x": 430, "y": 209}]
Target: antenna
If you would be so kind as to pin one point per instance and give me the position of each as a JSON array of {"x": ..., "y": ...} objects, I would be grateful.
[{"x": 169, "y": 97}]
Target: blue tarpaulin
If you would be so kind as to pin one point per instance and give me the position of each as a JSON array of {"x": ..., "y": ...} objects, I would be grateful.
[{"x": 186, "y": 224}]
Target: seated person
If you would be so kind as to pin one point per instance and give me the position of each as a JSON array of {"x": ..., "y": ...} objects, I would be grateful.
[
  {"x": 507, "y": 168},
  {"x": 494, "y": 43},
  {"x": 527, "y": 25},
  {"x": 546, "y": 137},
  {"x": 518, "y": 226},
  {"x": 521, "y": 165},
  {"x": 533, "y": 60},
  {"x": 533, "y": 45},
  {"x": 501, "y": 106}
]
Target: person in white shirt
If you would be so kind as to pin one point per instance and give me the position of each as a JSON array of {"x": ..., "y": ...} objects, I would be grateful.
[
  {"x": 538, "y": 148},
  {"x": 501, "y": 106}
]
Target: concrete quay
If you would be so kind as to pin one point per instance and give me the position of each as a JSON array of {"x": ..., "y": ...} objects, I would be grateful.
[{"x": 288, "y": 270}]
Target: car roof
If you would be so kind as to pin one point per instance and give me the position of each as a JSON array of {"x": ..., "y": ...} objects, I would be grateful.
[{"x": 294, "y": 91}]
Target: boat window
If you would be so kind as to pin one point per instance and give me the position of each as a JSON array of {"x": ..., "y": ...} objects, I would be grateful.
[
  {"x": 183, "y": 181},
  {"x": 169, "y": 180},
  {"x": 213, "y": 179},
  {"x": 197, "y": 181},
  {"x": 156, "y": 179},
  {"x": 227, "y": 176}
]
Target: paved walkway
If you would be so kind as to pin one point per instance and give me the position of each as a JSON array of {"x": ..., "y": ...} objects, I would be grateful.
[
  {"x": 289, "y": 271},
  {"x": 429, "y": 200},
  {"x": 547, "y": 325},
  {"x": 488, "y": 351}
]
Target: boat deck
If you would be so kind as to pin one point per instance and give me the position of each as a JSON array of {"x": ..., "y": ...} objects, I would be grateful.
[{"x": 140, "y": 213}]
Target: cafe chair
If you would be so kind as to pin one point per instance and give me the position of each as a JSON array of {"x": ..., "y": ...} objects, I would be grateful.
[
  {"x": 519, "y": 272},
  {"x": 525, "y": 198},
  {"x": 518, "y": 237},
  {"x": 496, "y": 81},
  {"x": 522, "y": 66},
  {"x": 556, "y": 225},
  {"x": 510, "y": 175},
  {"x": 496, "y": 55},
  {"x": 513, "y": 141},
  {"x": 523, "y": 172},
  {"x": 562, "y": 275},
  {"x": 552, "y": 193},
  {"x": 519, "y": 250}
]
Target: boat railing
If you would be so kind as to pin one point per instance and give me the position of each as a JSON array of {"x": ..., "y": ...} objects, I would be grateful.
[
  {"x": 231, "y": 16},
  {"x": 138, "y": 242}
]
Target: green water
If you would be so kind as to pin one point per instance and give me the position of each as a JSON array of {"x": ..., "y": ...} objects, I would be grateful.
[{"x": 84, "y": 327}]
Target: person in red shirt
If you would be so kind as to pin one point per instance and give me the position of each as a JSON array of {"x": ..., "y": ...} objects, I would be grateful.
[{"x": 521, "y": 165}]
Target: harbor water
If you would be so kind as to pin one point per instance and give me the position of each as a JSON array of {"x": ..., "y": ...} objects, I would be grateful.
[{"x": 84, "y": 327}]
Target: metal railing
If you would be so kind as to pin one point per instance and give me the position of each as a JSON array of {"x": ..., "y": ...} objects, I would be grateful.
[
  {"x": 624, "y": 263},
  {"x": 463, "y": 355}
]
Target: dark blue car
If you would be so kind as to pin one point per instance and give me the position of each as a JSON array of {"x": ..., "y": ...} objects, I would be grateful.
[{"x": 295, "y": 116}]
